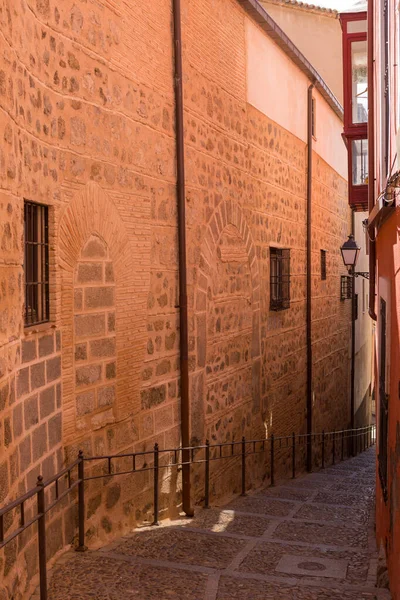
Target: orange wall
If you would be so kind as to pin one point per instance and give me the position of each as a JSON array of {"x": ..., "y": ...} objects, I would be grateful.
[{"x": 388, "y": 515}]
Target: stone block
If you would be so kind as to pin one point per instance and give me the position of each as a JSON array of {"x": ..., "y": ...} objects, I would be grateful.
[
  {"x": 113, "y": 495},
  {"x": 99, "y": 297},
  {"x": 31, "y": 412},
  {"x": 80, "y": 352},
  {"x": 23, "y": 382},
  {"x": 46, "y": 345},
  {"x": 47, "y": 401},
  {"x": 58, "y": 341},
  {"x": 7, "y": 432},
  {"x": 111, "y": 322},
  {"x": 4, "y": 394},
  {"x": 4, "y": 483},
  {"x": 93, "y": 505},
  {"x": 153, "y": 396},
  {"x": 94, "y": 249},
  {"x": 18, "y": 424},
  {"x": 54, "y": 537},
  {"x": 163, "y": 367},
  {"x": 103, "y": 348},
  {"x": 102, "y": 419},
  {"x": 88, "y": 375},
  {"x": 47, "y": 468},
  {"x": 78, "y": 299},
  {"x": 14, "y": 467},
  {"x": 90, "y": 325},
  {"x": 55, "y": 430},
  {"x": 25, "y": 455},
  {"x": 85, "y": 403},
  {"x": 106, "y": 396},
  {"x": 90, "y": 272},
  {"x": 111, "y": 370},
  {"x": 28, "y": 350},
  {"x": 53, "y": 368},
  {"x": 59, "y": 395},
  {"x": 39, "y": 442},
  {"x": 109, "y": 273},
  {"x": 163, "y": 418},
  {"x": 38, "y": 378}
]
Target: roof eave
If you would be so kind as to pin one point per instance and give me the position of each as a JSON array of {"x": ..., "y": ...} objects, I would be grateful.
[{"x": 272, "y": 29}]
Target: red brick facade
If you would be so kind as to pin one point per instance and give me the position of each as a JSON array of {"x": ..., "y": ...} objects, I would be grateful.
[{"x": 87, "y": 128}]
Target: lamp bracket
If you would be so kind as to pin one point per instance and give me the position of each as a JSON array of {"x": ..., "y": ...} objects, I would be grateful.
[{"x": 361, "y": 274}]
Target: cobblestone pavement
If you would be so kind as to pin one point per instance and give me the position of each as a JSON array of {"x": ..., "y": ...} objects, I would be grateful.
[{"x": 306, "y": 539}]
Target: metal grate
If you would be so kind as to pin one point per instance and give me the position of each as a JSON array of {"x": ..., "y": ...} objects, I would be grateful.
[
  {"x": 346, "y": 287},
  {"x": 36, "y": 265},
  {"x": 279, "y": 279},
  {"x": 323, "y": 265}
]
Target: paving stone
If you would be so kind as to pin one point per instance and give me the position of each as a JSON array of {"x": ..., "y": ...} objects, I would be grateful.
[
  {"x": 183, "y": 546},
  {"x": 295, "y": 541},
  {"x": 319, "y": 512},
  {"x": 262, "y": 505},
  {"x": 87, "y": 577},
  {"x": 230, "y": 522},
  {"x": 314, "y": 533},
  {"x": 265, "y": 558}
]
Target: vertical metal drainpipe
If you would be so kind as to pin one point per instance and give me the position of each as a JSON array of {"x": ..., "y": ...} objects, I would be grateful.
[
  {"x": 183, "y": 302},
  {"x": 371, "y": 156},
  {"x": 353, "y": 345},
  {"x": 308, "y": 309}
]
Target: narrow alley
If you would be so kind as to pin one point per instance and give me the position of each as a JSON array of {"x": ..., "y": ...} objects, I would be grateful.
[{"x": 306, "y": 539}]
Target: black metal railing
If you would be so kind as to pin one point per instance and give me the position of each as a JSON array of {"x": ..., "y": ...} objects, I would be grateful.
[{"x": 337, "y": 444}]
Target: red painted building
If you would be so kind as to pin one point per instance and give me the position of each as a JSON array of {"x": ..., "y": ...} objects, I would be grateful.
[{"x": 375, "y": 179}]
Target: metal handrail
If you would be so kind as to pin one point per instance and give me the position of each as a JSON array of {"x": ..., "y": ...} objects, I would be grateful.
[{"x": 360, "y": 439}]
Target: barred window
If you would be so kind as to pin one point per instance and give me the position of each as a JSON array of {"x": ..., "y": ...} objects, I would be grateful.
[
  {"x": 346, "y": 287},
  {"x": 36, "y": 264},
  {"x": 279, "y": 278},
  {"x": 323, "y": 265}
]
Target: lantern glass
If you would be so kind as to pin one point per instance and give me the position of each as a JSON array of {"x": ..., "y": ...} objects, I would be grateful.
[{"x": 350, "y": 252}]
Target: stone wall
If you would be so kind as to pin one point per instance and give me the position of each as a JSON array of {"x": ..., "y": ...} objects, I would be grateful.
[{"x": 87, "y": 128}]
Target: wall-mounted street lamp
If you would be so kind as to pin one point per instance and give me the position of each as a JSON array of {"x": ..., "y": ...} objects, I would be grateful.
[{"x": 350, "y": 253}]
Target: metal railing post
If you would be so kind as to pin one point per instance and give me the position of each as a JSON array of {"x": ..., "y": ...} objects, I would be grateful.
[
  {"x": 323, "y": 449},
  {"x": 156, "y": 457},
  {"x": 293, "y": 455},
  {"x": 207, "y": 477},
  {"x": 243, "y": 466},
  {"x": 333, "y": 447},
  {"x": 81, "y": 503},
  {"x": 41, "y": 508},
  {"x": 272, "y": 460}
]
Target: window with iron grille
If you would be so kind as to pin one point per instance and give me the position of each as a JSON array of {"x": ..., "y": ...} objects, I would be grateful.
[
  {"x": 346, "y": 287},
  {"x": 36, "y": 264},
  {"x": 323, "y": 265},
  {"x": 279, "y": 278}
]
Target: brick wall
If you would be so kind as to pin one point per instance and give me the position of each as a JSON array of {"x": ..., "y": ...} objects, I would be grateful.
[{"x": 87, "y": 128}]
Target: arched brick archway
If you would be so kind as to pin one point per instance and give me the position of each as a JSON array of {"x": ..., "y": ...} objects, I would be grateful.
[
  {"x": 92, "y": 220},
  {"x": 227, "y": 375}
]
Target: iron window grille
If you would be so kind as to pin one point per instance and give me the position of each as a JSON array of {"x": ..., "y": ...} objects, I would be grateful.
[
  {"x": 346, "y": 287},
  {"x": 36, "y": 263},
  {"x": 323, "y": 265},
  {"x": 279, "y": 279}
]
